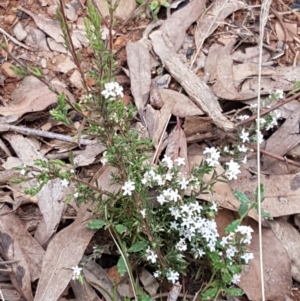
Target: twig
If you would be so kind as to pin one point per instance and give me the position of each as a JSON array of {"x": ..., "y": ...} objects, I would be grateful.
[
  {"x": 15, "y": 40},
  {"x": 279, "y": 104},
  {"x": 8, "y": 262},
  {"x": 274, "y": 155},
  {"x": 33, "y": 132}
]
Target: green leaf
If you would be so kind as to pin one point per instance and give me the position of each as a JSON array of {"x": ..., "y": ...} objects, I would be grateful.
[
  {"x": 241, "y": 196},
  {"x": 145, "y": 297},
  {"x": 265, "y": 214},
  {"x": 121, "y": 266},
  {"x": 262, "y": 193},
  {"x": 139, "y": 246},
  {"x": 139, "y": 1},
  {"x": 210, "y": 293},
  {"x": 233, "y": 291},
  {"x": 154, "y": 5},
  {"x": 121, "y": 229},
  {"x": 165, "y": 4},
  {"x": 96, "y": 224},
  {"x": 243, "y": 209},
  {"x": 234, "y": 269},
  {"x": 232, "y": 226},
  {"x": 226, "y": 277}
]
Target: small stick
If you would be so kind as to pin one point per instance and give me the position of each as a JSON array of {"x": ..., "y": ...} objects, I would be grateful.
[
  {"x": 33, "y": 132},
  {"x": 279, "y": 104},
  {"x": 15, "y": 40},
  {"x": 274, "y": 156}
]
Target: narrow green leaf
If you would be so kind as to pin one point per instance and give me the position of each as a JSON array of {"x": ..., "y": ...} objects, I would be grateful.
[
  {"x": 241, "y": 196},
  {"x": 120, "y": 229},
  {"x": 154, "y": 5},
  {"x": 165, "y": 4},
  {"x": 243, "y": 209},
  {"x": 139, "y": 246},
  {"x": 232, "y": 226},
  {"x": 233, "y": 291},
  {"x": 210, "y": 293},
  {"x": 121, "y": 266},
  {"x": 96, "y": 224}
]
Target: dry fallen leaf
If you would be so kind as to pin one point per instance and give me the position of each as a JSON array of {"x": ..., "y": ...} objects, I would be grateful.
[
  {"x": 34, "y": 101},
  {"x": 99, "y": 279},
  {"x": 290, "y": 239},
  {"x": 214, "y": 16},
  {"x": 281, "y": 193},
  {"x": 198, "y": 91},
  {"x": 10, "y": 250},
  {"x": 182, "y": 107},
  {"x": 64, "y": 251},
  {"x": 52, "y": 206},
  {"x": 277, "y": 277},
  {"x": 176, "y": 26},
  {"x": 138, "y": 59}
]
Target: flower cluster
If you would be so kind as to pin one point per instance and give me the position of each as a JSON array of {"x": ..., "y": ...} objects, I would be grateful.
[
  {"x": 192, "y": 224},
  {"x": 113, "y": 90},
  {"x": 212, "y": 156}
]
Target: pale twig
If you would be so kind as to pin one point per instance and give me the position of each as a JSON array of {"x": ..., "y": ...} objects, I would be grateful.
[
  {"x": 265, "y": 7},
  {"x": 15, "y": 40},
  {"x": 32, "y": 132}
]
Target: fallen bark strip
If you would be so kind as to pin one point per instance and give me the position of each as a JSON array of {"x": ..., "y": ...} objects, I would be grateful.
[
  {"x": 198, "y": 91},
  {"x": 33, "y": 132}
]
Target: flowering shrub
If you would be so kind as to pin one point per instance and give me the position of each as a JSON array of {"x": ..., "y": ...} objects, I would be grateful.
[{"x": 156, "y": 217}]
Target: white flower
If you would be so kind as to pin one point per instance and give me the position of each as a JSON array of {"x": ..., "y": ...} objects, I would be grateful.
[
  {"x": 161, "y": 199},
  {"x": 214, "y": 207},
  {"x": 72, "y": 170},
  {"x": 244, "y": 136},
  {"x": 236, "y": 278},
  {"x": 169, "y": 176},
  {"x": 259, "y": 137},
  {"x": 143, "y": 213},
  {"x": 200, "y": 252},
  {"x": 175, "y": 212},
  {"x": 233, "y": 170},
  {"x": 76, "y": 272},
  {"x": 171, "y": 194},
  {"x": 226, "y": 149},
  {"x": 212, "y": 157},
  {"x": 172, "y": 276},
  {"x": 181, "y": 245},
  {"x": 231, "y": 251},
  {"x": 243, "y": 148},
  {"x": 64, "y": 183},
  {"x": 279, "y": 94},
  {"x": 183, "y": 183},
  {"x": 242, "y": 117},
  {"x": 22, "y": 172},
  {"x": 112, "y": 89},
  {"x": 76, "y": 195},
  {"x": 168, "y": 161},
  {"x": 180, "y": 161},
  {"x": 174, "y": 225},
  {"x": 247, "y": 257},
  {"x": 104, "y": 159},
  {"x": 128, "y": 188},
  {"x": 244, "y": 160},
  {"x": 151, "y": 256},
  {"x": 245, "y": 231},
  {"x": 156, "y": 274}
]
